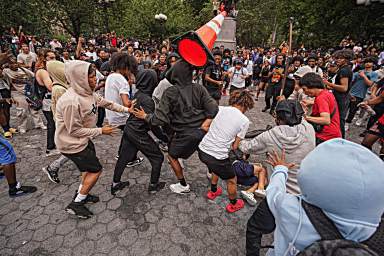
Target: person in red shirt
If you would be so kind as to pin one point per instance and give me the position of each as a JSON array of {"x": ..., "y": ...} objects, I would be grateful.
[{"x": 325, "y": 113}]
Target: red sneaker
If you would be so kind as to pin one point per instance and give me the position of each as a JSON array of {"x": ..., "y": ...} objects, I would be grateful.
[
  {"x": 231, "y": 208},
  {"x": 212, "y": 195}
]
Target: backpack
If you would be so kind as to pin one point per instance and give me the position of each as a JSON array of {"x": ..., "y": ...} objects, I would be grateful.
[
  {"x": 33, "y": 93},
  {"x": 332, "y": 242}
]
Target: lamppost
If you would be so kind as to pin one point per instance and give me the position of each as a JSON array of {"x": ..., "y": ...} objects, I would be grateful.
[
  {"x": 161, "y": 18},
  {"x": 105, "y": 5}
]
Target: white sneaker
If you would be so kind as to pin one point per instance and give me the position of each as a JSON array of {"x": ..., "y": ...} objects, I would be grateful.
[
  {"x": 260, "y": 193},
  {"x": 209, "y": 175},
  {"x": 52, "y": 152},
  {"x": 22, "y": 131},
  {"x": 249, "y": 197},
  {"x": 43, "y": 127},
  {"x": 179, "y": 189},
  {"x": 346, "y": 127}
]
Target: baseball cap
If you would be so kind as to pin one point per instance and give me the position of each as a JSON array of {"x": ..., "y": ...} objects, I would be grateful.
[{"x": 301, "y": 71}]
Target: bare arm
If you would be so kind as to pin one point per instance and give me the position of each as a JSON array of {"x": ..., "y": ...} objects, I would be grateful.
[
  {"x": 342, "y": 87},
  {"x": 43, "y": 78},
  {"x": 323, "y": 119}
]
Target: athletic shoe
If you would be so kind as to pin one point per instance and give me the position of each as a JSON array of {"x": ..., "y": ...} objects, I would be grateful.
[
  {"x": 52, "y": 152},
  {"x": 231, "y": 208},
  {"x": 13, "y": 130},
  {"x": 153, "y": 188},
  {"x": 212, "y": 195},
  {"x": 260, "y": 193},
  {"x": 78, "y": 209},
  {"x": 138, "y": 161},
  {"x": 120, "y": 186},
  {"x": 346, "y": 127},
  {"x": 249, "y": 197},
  {"x": 42, "y": 127},
  {"x": 21, "y": 190},
  {"x": 52, "y": 174},
  {"x": 179, "y": 189},
  {"x": 8, "y": 135},
  {"x": 209, "y": 175},
  {"x": 89, "y": 199},
  {"x": 264, "y": 109},
  {"x": 22, "y": 131}
]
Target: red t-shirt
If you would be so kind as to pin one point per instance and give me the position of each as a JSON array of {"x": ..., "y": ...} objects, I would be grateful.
[
  {"x": 326, "y": 102},
  {"x": 381, "y": 119},
  {"x": 114, "y": 41}
]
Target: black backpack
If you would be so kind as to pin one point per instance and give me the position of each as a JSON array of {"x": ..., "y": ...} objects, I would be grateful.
[
  {"x": 33, "y": 92},
  {"x": 332, "y": 242}
]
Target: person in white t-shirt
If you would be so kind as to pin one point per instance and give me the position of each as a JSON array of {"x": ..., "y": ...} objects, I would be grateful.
[
  {"x": 248, "y": 64},
  {"x": 225, "y": 132},
  {"x": 117, "y": 90},
  {"x": 237, "y": 74},
  {"x": 26, "y": 58}
]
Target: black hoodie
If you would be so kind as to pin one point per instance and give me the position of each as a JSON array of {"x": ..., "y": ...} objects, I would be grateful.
[
  {"x": 185, "y": 105},
  {"x": 145, "y": 85}
]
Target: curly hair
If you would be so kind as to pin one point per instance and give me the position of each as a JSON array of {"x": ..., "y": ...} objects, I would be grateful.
[
  {"x": 41, "y": 58},
  {"x": 242, "y": 98},
  {"x": 344, "y": 54}
]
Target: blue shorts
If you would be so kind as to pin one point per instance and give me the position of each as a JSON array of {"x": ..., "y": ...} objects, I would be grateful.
[
  {"x": 7, "y": 154},
  {"x": 244, "y": 173}
]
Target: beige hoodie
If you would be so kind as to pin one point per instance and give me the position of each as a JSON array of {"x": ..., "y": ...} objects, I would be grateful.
[{"x": 76, "y": 110}]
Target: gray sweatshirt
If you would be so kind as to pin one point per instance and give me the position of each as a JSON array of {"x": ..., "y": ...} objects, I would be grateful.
[{"x": 297, "y": 141}]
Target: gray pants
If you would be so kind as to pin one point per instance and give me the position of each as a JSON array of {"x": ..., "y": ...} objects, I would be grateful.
[{"x": 55, "y": 165}]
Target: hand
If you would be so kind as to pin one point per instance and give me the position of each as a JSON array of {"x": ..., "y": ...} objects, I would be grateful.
[
  {"x": 132, "y": 106},
  {"x": 363, "y": 105},
  {"x": 362, "y": 74},
  {"x": 307, "y": 102},
  {"x": 274, "y": 159},
  {"x": 107, "y": 130},
  {"x": 10, "y": 101},
  {"x": 280, "y": 98},
  {"x": 139, "y": 113}
]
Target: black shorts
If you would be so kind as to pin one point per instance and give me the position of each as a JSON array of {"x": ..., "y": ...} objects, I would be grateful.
[
  {"x": 184, "y": 144},
  {"x": 221, "y": 168},
  {"x": 5, "y": 94},
  {"x": 86, "y": 160}
]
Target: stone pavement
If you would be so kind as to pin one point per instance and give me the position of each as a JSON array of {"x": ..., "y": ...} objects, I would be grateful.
[{"x": 132, "y": 223}]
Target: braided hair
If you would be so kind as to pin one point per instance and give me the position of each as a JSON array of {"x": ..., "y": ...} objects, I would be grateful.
[{"x": 242, "y": 98}]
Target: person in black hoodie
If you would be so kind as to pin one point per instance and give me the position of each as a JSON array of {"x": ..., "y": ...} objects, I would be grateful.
[
  {"x": 136, "y": 137},
  {"x": 187, "y": 108}
]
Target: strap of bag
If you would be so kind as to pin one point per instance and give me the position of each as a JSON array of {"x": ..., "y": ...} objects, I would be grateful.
[{"x": 323, "y": 225}]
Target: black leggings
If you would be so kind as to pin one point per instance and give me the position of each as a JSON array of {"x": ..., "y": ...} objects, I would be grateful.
[
  {"x": 131, "y": 143},
  {"x": 261, "y": 222},
  {"x": 353, "y": 109},
  {"x": 50, "y": 130}
]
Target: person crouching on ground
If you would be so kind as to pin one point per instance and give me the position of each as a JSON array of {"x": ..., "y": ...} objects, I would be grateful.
[
  {"x": 76, "y": 116},
  {"x": 225, "y": 132},
  {"x": 136, "y": 136}
]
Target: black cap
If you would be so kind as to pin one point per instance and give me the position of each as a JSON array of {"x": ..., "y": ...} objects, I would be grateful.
[{"x": 289, "y": 111}]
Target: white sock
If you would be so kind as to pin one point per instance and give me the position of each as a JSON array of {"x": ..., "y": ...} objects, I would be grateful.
[
  {"x": 80, "y": 198},
  {"x": 114, "y": 184}
]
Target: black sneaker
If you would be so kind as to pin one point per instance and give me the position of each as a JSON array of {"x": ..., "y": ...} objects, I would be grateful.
[
  {"x": 153, "y": 188},
  {"x": 21, "y": 191},
  {"x": 264, "y": 109},
  {"x": 78, "y": 209},
  {"x": 118, "y": 187},
  {"x": 52, "y": 174},
  {"x": 89, "y": 199},
  {"x": 138, "y": 161}
]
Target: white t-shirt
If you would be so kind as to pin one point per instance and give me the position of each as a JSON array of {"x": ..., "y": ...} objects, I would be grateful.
[
  {"x": 92, "y": 54},
  {"x": 248, "y": 64},
  {"x": 236, "y": 80},
  {"x": 228, "y": 124},
  {"x": 26, "y": 59},
  {"x": 115, "y": 85}
]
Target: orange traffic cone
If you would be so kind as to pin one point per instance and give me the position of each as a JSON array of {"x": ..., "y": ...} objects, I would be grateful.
[{"x": 195, "y": 46}]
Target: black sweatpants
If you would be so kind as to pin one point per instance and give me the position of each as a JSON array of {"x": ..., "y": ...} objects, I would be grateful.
[
  {"x": 273, "y": 91},
  {"x": 260, "y": 223},
  {"x": 131, "y": 143},
  {"x": 50, "y": 130},
  {"x": 353, "y": 108}
]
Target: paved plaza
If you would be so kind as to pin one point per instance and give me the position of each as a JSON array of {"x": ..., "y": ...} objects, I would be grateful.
[{"x": 132, "y": 223}]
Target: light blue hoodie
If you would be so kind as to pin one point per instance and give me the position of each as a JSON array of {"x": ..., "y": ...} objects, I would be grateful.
[{"x": 344, "y": 179}]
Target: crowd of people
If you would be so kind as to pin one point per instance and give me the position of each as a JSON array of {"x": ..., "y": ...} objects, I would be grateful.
[{"x": 163, "y": 106}]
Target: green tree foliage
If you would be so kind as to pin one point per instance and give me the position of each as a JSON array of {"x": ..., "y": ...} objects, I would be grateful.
[{"x": 316, "y": 23}]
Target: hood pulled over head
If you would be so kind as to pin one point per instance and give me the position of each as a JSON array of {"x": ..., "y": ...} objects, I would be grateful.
[
  {"x": 146, "y": 81},
  {"x": 55, "y": 70},
  {"x": 346, "y": 181},
  {"x": 76, "y": 72}
]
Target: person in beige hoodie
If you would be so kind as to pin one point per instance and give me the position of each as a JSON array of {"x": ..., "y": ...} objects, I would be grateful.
[{"x": 76, "y": 116}]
